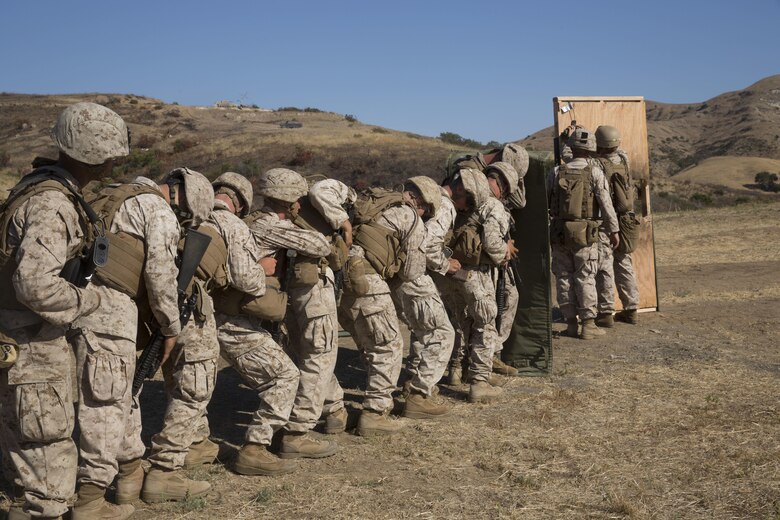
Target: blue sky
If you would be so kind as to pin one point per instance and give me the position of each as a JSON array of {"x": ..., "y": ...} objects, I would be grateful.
[{"x": 485, "y": 70}]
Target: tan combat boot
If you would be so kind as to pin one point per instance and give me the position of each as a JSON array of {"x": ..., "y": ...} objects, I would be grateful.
[
  {"x": 628, "y": 316},
  {"x": 336, "y": 422},
  {"x": 378, "y": 423},
  {"x": 605, "y": 320},
  {"x": 201, "y": 453},
  {"x": 419, "y": 406},
  {"x": 483, "y": 392},
  {"x": 255, "y": 459},
  {"x": 572, "y": 328},
  {"x": 590, "y": 330},
  {"x": 92, "y": 505},
  {"x": 455, "y": 377},
  {"x": 171, "y": 486},
  {"x": 499, "y": 367},
  {"x": 130, "y": 481},
  {"x": 302, "y": 445}
]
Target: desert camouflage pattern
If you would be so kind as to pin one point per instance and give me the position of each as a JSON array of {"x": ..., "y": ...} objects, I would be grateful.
[
  {"x": 37, "y": 442},
  {"x": 264, "y": 367},
  {"x": 436, "y": 230},
  {"x": 272, "y": 234},
  {"x": 198, "y": 191},
  {"x": 243, "y": 271},
  {"x": 615, "y": 269},
  {"x": 190, "y": 375},
  {"x": 108, "y": 415},
  {"x": 508, "y": 314},
  {"x": 575, "y": 269},
  {"x": 372, "y": 319},
  {"x": 91, "y": 133},
  {"x": 282, "y": 184},
  {"x": 313, "y": 327},
  {"x": 312, "y": 323},
  {"x": 432, "y": 333},
  {"x": 329, "y": 197}
]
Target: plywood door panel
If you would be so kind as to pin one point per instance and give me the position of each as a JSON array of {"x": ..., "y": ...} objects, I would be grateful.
[{"x": 628, "y": 115}]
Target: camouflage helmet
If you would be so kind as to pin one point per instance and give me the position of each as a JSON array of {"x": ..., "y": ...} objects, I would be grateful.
[
  {"x": 506, "y": 172},
  {"x": 197, "y": 191},
  {"x": 430, "y": 192},
  {"x": 475, "y": 184},
  {"x": 282, "y": 184},
  {"x": 516, "y": 155},
  {"x": 314, "y": 178},
  {"x": 607, "y": 137},
  {"x": 239, "y": 184},
  {"x": 582, "y": 139},
  {"x": 91, "y": 133}
]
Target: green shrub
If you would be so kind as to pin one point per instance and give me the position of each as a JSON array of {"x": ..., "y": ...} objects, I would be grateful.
[
  {"x": 718, "y": 192},
  {"x": 453, "y": 138},
  {"x": 379, "y": 130},
  {"x": 701, "y": 198},
  {"x": 350, "y": 118}
]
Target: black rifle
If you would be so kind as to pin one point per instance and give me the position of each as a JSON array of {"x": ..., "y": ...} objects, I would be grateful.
[
  {"x": 500, "y": 294},
  {"x": 195, "y": 245},
  {"x": 289, "y": 272}
]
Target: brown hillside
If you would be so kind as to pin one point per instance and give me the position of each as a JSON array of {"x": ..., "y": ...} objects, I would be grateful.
[
  {"x": 741, "y": 123},
  {"x": 213, "y": 140}
]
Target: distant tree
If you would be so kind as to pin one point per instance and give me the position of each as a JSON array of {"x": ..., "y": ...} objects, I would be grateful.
[{"x": 453, "y": 138}]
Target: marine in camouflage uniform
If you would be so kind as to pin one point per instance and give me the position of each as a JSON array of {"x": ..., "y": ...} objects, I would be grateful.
[
  {"x": 243, "y": 341},
  {"x": 314, "y": 337},
  {"x": 477, "y": 294},
  {"x": 616, "y": 268},
  {"x": 371, "y": 317},
  {"x": 47, "y": 230},
  {"x": 191, "y": 370},
  {"x": 574, "y": 265},
  {"x": 109, "y": 415},
  {"x": 423, "y": 310}
]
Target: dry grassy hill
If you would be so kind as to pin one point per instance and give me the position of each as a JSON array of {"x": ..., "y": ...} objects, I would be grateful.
[
  {"x": 745, "y": 123},
  {"x": 213, "y": 140},
  {"x": 737, "y": 173}
]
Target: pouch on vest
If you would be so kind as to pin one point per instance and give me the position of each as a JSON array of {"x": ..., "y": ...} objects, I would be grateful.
[
  {"x": 306, "y": 272},
  {"x": 124, "y": 269},
  {"x": 467, "y": 246},
  {"x": 570, "y": 193},
  {"x": 211, "y": 268},
  {"x": 381, "y": 247},
  {"x": 629, "y": 233},
  {"x": 271, "y": 306},
  {"x": 339, "y": 253},
  {"x": 355, "y": 281},
  {"x": 580, "y": 233},
  {"x": 622, "y": 194}
]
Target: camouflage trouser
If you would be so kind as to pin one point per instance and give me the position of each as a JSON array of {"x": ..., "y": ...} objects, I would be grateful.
[
  {"x": 109, "y": 424},
  {"x": 373, "y": 323},
  {"x": 510, "y": 309},
  {"x": 265, "y": 367},
  {"x": 37, "y": 419},
  {"x": 575, "y": 279},
  {"x": 625, "y": 279},
  {"x": 313, "y": 328},
  {"x": 605, "y": 276},
  {"x": 432, "y": 333},
  {"x": 190, "y": 375},
  {"x": 474, "y": 301}
]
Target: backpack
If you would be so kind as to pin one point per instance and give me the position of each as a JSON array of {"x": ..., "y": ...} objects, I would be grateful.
[{"x": 620, "y": 184}]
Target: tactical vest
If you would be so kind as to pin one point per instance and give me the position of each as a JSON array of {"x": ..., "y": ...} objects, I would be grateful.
[
  {"x": 572, "y": 195},
  {"x": 40, "y": 180},
  {"x": 213, "y": 266},
  {"x": 382, "y": 246},
  {"x": 466, "y": 241},
  {"x": 307, "y": 269},
  {"x": 127, "y": 253},
  {"x": 620, "y": 184}
]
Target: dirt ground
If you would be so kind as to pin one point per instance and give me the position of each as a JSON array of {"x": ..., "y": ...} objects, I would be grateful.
[{"x": 675, "y": 418}]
